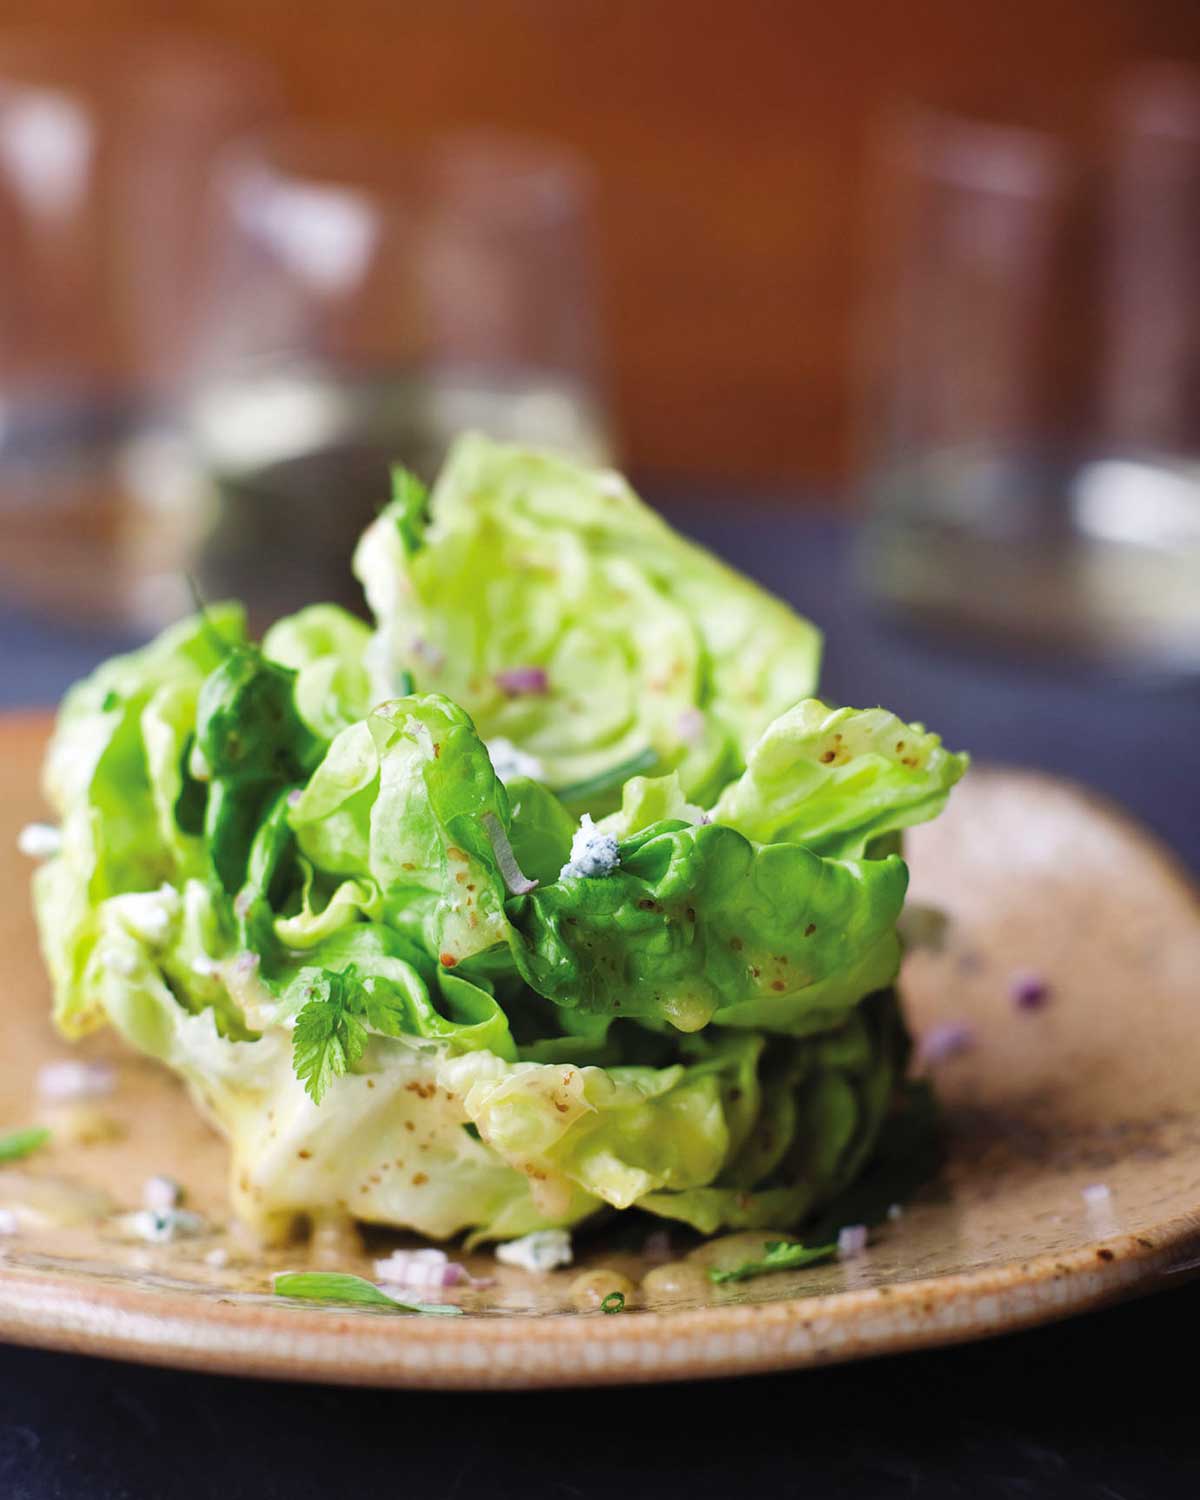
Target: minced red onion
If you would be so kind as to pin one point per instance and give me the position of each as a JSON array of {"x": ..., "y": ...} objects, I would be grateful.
[
  {"x": 518, "y": 883},
  {"x": 1028, "y": 991},
  {"x": 689, "y": 726},
  {"x": 73, "y": 1078},
  {"x": 420, "y": 1269},
  {"x": 520, "y": 682},
  {"x": 945, "y": 1040},
  {"x": 657, "y": 1245},
  {"x": 851, "y": 1241},
  {"x": 433, "y": 656}
]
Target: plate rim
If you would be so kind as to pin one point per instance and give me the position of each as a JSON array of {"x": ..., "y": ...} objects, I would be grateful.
[{"x": 237, "y": 1336}]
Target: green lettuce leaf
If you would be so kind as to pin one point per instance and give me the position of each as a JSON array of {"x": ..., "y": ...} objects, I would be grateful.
[
  {"x": 647, "y": 642},
  {"x": 116, "y": 775},
  {"x": 326, "y": 648},
  {"x": 837, "y": 779},
  {"x": 646, "y": 800},
  {"x": 251, "y": 742},
  {"x": 697, "y": 924},
  {"x": 401, "y": 804},
  {"x": 825, "y": 1103}
]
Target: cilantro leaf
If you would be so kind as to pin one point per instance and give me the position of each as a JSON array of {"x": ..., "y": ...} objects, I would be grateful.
[
  {"x": 384, "y": 1012},
  {"x": 19, "y": 1143},
  {"x": 329, "y": 1037},
  {"x": 778, "y": 1255},
  {"x": 340, "y": 1286}
]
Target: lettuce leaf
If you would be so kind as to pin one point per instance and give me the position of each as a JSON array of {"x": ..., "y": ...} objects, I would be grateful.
[
  {"x": 326, "y": 648},
  {"x": 116, "y": 775},
  {"x": 837, "y": 779},
  {"x": 647, "y": 642},
  {"x": 697, "y": 925},
  {"x": 399, "y": 804}
]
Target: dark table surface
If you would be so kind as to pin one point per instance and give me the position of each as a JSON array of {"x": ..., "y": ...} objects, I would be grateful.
[{"x": 1098, "y": 1407}]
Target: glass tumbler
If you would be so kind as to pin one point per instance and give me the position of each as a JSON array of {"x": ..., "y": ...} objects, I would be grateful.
[
  {"x": 1031, "y": 421},
  {"x": 370, "y": 302},
  {"x": 105, "y": 156}
]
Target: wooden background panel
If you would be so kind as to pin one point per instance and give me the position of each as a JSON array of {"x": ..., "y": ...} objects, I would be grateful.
[{"x": 732, "y": 144}]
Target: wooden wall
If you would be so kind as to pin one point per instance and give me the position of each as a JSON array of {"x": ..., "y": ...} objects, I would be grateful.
[{"x": 731, "y": 142}]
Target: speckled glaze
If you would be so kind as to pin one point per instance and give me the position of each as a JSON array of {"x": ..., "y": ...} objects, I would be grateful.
[{"x": 1099, "y": 1085}]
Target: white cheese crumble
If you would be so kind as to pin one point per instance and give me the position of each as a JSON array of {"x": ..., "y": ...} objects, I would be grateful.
[
  {"x": 9, "y": 1223},
  {"x": 162, "y": 1226},
  {"x": 1099, "y": 1195},
  {"x": 509, "y": 761},
  {"x": 160, "y": 1194},
  {"x": 149, "y": 914},
  {"x": 72, "y": 1078},
  {"x": 218, "y": 1257},
  {"x": 593, "y": 852},
  {"x": 543, "y": 1250},
  {"x": 39, "y": 840}
]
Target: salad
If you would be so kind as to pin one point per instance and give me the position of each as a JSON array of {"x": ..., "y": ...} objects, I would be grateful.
[{"x": 556, "y": 891}]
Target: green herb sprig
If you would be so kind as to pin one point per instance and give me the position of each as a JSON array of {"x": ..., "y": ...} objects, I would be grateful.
[
  {"x": 20, "y": 1143},
  {"x": 778, "y": 1255},
  {"x": 352, "y": 1291}
]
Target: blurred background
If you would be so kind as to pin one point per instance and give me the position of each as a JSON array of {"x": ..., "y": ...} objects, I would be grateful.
[{"x": 897, "y": 304}]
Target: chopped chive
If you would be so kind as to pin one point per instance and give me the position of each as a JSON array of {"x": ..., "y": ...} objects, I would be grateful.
[
  {"x": 19, "y": 1143},
  {"x": 404, "y": 684},
  {"x": 607, "y": 781},
  {"x": 340, "y": 1286},
  {"x": 613, "y": 1303}
]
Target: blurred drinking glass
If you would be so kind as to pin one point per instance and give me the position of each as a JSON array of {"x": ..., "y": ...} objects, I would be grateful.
[
  {"x": 1033, "y": 410},
  {"x": 369, "y": 304},
  {"x": 105, "y": 156}
]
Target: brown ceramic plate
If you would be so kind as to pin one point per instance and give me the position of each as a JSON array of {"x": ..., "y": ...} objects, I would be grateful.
[{"x": 1100, "y": 1086}]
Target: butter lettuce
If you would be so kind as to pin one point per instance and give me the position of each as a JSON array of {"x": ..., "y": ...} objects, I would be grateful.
[
  {"x": 295, "y": 873},
  {"x": 836, "y": 779},
  {"x": 647, "y": 643},
  {"x": 116, "y": 776},
  {"x": 699, "y": 925},
  {"x": 326, "y": 648}
]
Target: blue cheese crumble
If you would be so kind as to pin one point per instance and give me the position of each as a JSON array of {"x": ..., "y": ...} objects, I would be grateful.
[
  {"x": 543, "y": 1250},
  {"x": 593, "y": 852}
]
